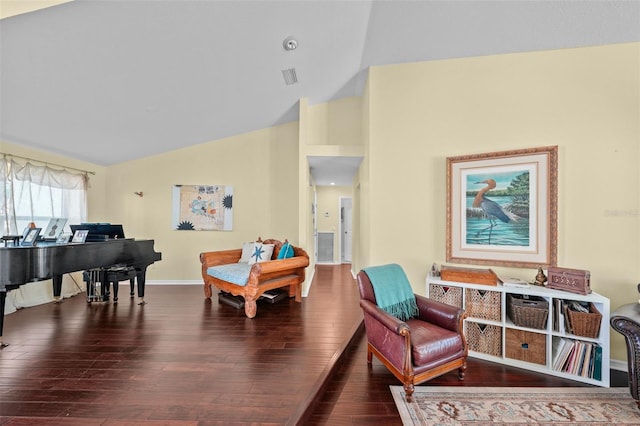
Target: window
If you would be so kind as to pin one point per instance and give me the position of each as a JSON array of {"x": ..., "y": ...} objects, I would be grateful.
[{"x": 31, "y": 193}]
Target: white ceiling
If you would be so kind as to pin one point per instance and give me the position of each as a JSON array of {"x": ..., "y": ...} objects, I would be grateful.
[{"x": 107, "y": 81}]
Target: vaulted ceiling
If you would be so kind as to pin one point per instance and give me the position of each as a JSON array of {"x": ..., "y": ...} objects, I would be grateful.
[{"x": 108, "y": 81}]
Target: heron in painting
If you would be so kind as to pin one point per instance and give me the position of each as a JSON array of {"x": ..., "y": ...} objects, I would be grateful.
[{"x": 491, "y": 209}]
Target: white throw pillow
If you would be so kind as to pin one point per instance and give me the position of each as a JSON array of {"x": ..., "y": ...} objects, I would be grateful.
[
  {"x": 261, "y": 253},
  {"x": 247, "y": 251}
]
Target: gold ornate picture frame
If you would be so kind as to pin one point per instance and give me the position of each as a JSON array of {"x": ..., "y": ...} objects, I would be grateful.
[{"x": 502, "y": 208}]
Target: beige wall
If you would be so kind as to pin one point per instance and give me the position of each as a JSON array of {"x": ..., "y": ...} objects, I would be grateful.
[
  {"x": 586, "y": 101},
  {"x": 335, "y": 123},
  {"x": 261, "y": 166}
]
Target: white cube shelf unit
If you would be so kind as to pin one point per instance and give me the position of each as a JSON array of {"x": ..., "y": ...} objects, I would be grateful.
[{"x": 499, "y": 340}]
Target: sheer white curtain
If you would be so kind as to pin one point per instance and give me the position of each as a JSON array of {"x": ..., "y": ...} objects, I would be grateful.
[{"x": 34, "y": 193}]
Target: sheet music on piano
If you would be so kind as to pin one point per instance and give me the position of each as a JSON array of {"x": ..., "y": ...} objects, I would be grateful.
[{"x": 100, "y": 231}]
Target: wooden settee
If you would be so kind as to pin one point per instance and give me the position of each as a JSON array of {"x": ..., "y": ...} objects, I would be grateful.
[{"x": 263, "y": 276}]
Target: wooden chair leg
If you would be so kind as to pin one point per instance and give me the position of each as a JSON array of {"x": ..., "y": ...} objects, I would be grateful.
[
  {"x": 461, "y": 371},
  {"x": 408, "y": 390},
  {"x": 250, "y": 307}
]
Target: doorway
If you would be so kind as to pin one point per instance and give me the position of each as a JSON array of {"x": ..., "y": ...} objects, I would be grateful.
[{"x": 346, "y": 229}]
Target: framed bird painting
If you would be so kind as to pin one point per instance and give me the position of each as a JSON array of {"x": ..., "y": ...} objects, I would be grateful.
[{"x": 501, "y": 208}]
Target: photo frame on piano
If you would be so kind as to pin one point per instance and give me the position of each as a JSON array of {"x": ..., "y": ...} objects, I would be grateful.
[
  {"x": 63, "y": 238},
  {"x": 80, "y": 236},
  {"x": 31, "y": 237},
  {"x": 54, "y": 228}
]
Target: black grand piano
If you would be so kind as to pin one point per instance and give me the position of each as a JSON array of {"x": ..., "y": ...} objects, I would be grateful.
[{"x": 47, "y": 260}]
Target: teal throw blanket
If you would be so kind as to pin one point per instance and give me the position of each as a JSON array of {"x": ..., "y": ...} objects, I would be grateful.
[{"x": 393, "y": 290}]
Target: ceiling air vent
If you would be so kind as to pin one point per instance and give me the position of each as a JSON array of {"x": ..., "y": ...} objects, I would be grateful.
[{"x": 290, "y": 76}]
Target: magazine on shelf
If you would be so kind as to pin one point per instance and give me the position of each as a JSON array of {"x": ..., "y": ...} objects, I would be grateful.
[{"x": 514, "y": 282}]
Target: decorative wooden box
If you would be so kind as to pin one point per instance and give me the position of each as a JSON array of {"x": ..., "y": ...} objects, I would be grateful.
[
  {"x": 469, "y": 275},
  {"x": 571, "y": 280}
]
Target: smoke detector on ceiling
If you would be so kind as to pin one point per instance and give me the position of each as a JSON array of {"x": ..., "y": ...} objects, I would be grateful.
[{"x": 290, "y": 44}]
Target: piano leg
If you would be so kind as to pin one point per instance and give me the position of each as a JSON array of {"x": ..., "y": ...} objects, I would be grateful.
[
  {"x": 116, "y": 285},
  {"x": 3, "y": 297},
  {"x": 141, "y": 276},
  {"x": 57, "y": 288},
  {"x": 105, "y": 286}
]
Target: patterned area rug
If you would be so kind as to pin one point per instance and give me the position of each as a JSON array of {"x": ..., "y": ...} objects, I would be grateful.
[{"x": 457, "y": 405}]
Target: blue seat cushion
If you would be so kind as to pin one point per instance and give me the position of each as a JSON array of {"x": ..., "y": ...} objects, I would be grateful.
[{"x": 235, "y": 273}]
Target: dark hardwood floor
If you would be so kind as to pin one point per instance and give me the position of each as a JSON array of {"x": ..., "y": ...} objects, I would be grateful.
[{"x": 184, "y": 360}]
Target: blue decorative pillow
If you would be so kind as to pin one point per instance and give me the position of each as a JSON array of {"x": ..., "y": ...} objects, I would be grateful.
[{"x": 286, "y": 251}]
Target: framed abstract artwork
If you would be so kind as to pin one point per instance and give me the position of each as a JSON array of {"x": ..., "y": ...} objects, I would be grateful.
[
  {"x": 502, "y": 208},
  {"x": 202, "y": 208}
]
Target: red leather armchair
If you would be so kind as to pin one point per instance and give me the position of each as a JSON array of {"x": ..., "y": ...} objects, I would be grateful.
[{"x": 418, "y": 349}]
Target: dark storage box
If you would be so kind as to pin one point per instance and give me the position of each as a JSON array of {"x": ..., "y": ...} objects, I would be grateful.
[{"x": 231, "y": 300}]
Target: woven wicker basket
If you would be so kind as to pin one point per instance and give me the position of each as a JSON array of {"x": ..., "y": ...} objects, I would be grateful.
[
  {"x": 585, "y": 324},
  {"x": 445, "y": 294},
  {"x": 485, "y": 338},
  {"x": 525, "y": 346},
  {"x": 483, "y": 304},
  {"x": 532, "y": 312}
]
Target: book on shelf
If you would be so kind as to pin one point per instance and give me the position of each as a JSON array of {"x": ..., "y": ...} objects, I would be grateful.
[
  {"x": 560, "y": 349},
  {"x": 557, "y": 318},
  {"x": 597, "y": 363},
  {"x": 588, "y": 351},
  {"x": 514, "y": 282},
  {"x": 578, "y": 358},
  {"x": 567, "y": 322},
  {"x": 564, "y": 352}
]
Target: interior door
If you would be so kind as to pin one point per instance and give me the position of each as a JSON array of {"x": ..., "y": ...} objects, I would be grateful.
[{"x": 346, "y": 234}]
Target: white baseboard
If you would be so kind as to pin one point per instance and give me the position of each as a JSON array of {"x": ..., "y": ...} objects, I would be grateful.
[
  {"x": 618, "y": 365},
  {"x": 305, "y": 291}
]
